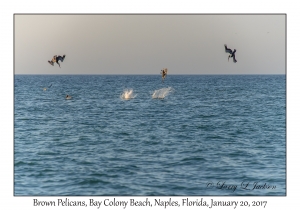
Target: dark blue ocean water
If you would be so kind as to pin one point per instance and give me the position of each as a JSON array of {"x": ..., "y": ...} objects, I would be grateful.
[{"x": 210, "y": 135}]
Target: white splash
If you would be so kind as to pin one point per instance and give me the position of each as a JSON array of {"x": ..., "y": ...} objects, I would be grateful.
[
  {"x": 162, "y": 93},
  {"x": 128, "y": 94}
]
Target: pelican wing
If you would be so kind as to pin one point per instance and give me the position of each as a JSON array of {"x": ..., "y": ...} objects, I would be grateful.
[
  {"x": 228, "y": 50},
  {"x": 61, "y": 58},
  {"x": 234, "y": 60},
  {"x": 51, "y": 62}
]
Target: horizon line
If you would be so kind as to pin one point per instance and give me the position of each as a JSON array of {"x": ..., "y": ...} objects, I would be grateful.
[{"x": 150, "y": 74}]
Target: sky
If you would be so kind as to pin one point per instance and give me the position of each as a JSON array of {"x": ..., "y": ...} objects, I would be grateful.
[{"x": 146, "y": 43}]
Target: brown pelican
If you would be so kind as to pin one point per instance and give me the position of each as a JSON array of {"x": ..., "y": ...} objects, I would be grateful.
[
  {"x": 232, "y": 53},
  {"x": 68, "y": 97},
  {"x": 56, "y": 58},
  {"x": 164, "y": 72}
]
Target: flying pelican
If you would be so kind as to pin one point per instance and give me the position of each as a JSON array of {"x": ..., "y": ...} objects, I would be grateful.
[
  {"x": 232, "y": 53},
  {"x": 56, "y": 58},
  {"x": 164, "y": 72}
]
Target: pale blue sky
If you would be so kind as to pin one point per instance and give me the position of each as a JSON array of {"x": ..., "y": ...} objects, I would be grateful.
[{"x": 144, "y": 44}]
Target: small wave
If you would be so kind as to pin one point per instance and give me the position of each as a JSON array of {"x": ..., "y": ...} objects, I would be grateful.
[
  {"x": 162, "y": 93},
  {"x": 127, "y": 94}
]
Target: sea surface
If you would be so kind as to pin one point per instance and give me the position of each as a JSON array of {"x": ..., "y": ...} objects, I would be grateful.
[{"x": 131, "y": 135}]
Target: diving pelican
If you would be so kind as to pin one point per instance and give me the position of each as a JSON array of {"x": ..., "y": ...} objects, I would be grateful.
[
  {"x": 164, "y": 72},
  {"x": 232, "y": 53},
  {"x": 56, "y": 58}
]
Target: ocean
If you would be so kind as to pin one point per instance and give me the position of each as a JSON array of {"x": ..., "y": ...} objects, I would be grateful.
[{"x": 132, "y": 135}]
